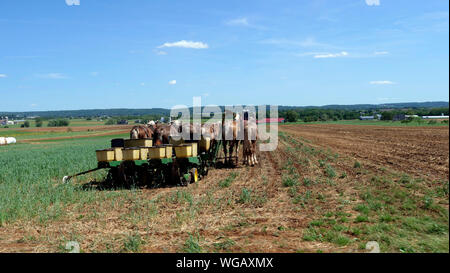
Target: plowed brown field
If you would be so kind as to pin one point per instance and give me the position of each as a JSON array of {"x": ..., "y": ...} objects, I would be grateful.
[{"x": 422, "y": 151}]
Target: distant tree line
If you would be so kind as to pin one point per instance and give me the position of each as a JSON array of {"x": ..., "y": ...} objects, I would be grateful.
[
  {"x": 320, "y": 114},
  {"x": 165, "y": 112},
  {"x": 290, "y": 113},
  {"x": 137, "y": 119},
  {"x": 58, "y": 123},
  {"x": 315, "y": 114},
  {"x": 89, "y": 113}
]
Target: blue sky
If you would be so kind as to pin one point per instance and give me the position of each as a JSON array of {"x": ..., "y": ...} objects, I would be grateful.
[{"x": 145, "y": 54}]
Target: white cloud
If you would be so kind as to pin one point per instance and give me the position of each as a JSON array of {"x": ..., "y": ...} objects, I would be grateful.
[
  {"x": 322, "y": 54},
  {"x": 54, "y": 76},
  {"x": 304, "y": 54},
  {"x": 186, "y": 44},
  {"x": 238, "y": 22},
  {"x": 33, "y": 105},
  {"x": 244, "y": 22},
  {"x": 381, "y": 82},
  {"x": 3, "y": 76},
  {"x": 73, "y": 2},
  {"x": 173, "y": 82},
  {"x": 308, "y": 42},
  {"x": 160, "y": 52},
  {"x": 388, "y": 99},
  {"x": 331, "y": 55},
  {"x": 94, "y": 74},
  {"x": 311, "y": 42},
  {"x": 142, "y": 84},
  {"x": 373, "y": 2}
]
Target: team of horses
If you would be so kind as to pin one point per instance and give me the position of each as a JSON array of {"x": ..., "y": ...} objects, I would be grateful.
[{"x": 229, "y": 131}]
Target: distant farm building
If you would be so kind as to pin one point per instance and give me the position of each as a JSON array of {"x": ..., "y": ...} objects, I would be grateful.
[
  {"x": 442, "y": 116},
  {"x": 122, "y": 122},
  {"x": 377, "y": 116},
  {"x": 9, "y": 122},
  {"x": 398, "y": 117},
  {"x": 5, "y": 121},
  {"x": 271, "y": 120}
]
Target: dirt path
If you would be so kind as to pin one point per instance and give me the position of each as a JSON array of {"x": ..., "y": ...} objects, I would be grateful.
[{"x": 422, "y": 151}]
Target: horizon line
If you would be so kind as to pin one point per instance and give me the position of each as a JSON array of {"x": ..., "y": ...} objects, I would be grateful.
[{"x": 279, "y": 105}]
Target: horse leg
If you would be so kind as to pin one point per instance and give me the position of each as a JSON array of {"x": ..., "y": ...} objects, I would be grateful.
[
  {"x": 225, "y": 151},
  {"x": 230, "y": 152},
  {"x": 249, "y": 153},
  {"x": 254, "y": 152},
  {"x": 245, "y": 155},
  {"x": 237, "y": 152}
]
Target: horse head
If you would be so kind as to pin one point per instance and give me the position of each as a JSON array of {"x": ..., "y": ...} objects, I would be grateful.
[{"x": 134, "y": 133}]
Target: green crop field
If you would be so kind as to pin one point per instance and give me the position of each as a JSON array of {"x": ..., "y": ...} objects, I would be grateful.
[
  {"x": 30, "y": 177},
  {"x": 25, "y": 135}
]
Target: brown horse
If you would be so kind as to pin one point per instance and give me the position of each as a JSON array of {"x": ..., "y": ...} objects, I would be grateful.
[
  {"x": 161, "y": 134},
  {"x": 249, "y": 145},
  {"x": 211, "y": 130},
  {"x": 186, "y": 130},
  {"x": 230, "y": 139},
  {"x": 140, "y": 132}
]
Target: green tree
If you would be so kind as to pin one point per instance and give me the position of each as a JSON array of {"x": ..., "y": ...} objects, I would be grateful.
[
  {"x": 388, "y": 115},
  {"x": 111, "y": 121},
  {"x": 291, "y": 116},
  {"x": 58, "y": 123}
]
